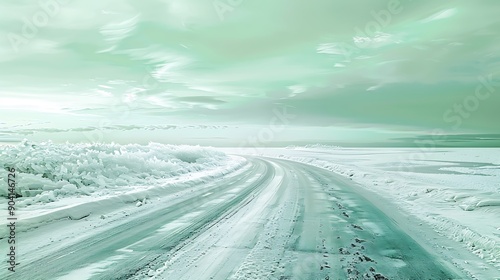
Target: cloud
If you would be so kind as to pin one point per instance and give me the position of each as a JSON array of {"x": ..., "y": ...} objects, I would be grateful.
[
  {"x": 134, "y": 63},
  {"x": 200, "y": 99}
]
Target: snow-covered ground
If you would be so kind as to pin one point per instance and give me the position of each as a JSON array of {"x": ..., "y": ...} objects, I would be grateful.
[
  {"x": 315, "y": 212},
  {"x": 55, "y": 181},
  {"x": 456, "y": 191}
]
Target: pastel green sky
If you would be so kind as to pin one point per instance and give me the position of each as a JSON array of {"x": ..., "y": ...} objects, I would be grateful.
[{"x": 328, "y": 71}]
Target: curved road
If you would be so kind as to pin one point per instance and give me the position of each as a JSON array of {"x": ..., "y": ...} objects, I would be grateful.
[{"x": 277, "y": 219}]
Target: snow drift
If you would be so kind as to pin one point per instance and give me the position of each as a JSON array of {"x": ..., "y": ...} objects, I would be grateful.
[{"x": 46, "y": 172}]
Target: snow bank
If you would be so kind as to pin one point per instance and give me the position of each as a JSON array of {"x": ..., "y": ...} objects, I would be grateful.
[{"x": 47, "y": 172}]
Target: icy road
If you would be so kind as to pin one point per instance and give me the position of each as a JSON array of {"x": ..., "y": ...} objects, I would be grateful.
[{"x": 272, "y": 219}]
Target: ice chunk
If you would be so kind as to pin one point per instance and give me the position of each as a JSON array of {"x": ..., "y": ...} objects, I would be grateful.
[{"x": 47, "y": 171}]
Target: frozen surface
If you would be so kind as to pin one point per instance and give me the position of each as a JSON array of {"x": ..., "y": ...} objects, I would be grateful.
[
  {"x": 313, "y": 212},
  {"x": 48, "y": 172},
  {"x": 456, "y": 191}
]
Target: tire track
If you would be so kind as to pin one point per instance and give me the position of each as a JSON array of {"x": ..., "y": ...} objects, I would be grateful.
[{"x": 105, "y": 246}]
